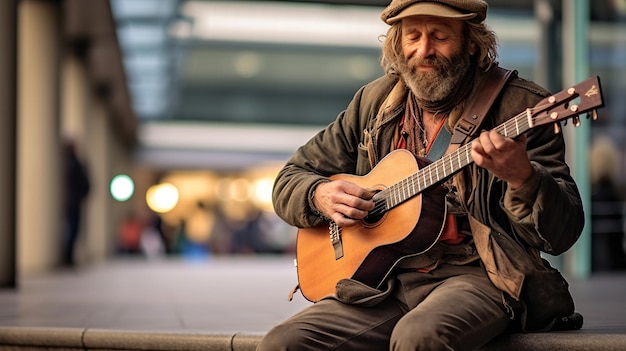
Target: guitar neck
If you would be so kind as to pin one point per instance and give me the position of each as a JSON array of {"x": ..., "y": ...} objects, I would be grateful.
[{"x": 446, "y": 166}]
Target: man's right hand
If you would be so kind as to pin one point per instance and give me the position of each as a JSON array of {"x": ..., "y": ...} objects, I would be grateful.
[{"x": 344, "y": 202}]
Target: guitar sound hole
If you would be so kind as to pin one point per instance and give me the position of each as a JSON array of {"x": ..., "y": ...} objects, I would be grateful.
[
  {"x": 372, "y": 219},
  {"x": 376, "y": 215}
]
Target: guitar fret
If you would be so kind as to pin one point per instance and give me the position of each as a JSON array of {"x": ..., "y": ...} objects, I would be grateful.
[
  {"x": 398, "y": 193},
  {"x": 405, "y": 190},
  {"x": 430, "y": 174},
  {"x": 395, "y": 196}
]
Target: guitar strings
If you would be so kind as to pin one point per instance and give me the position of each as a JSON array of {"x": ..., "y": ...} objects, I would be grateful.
[
  {"x": 400, "y": 192},
  {"x": 513, "y": 127}
]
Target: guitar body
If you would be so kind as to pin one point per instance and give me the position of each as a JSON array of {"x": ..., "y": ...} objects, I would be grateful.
[{"x": 372, "y": 249}]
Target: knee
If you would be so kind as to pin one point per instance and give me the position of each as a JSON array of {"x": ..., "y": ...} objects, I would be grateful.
[
  {"x": 281, "y": 337},
  {"x": 409, "y": 335}
]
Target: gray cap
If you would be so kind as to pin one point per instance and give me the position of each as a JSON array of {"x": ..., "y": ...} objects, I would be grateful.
[{"x": 475, "y": 10}]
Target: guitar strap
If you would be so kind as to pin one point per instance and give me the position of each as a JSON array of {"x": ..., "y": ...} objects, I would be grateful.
[
  {"x": 479, "y": 106},
  {"x": 473, "y": 115}
]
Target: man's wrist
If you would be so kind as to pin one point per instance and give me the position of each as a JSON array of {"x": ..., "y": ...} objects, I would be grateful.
[
  {"x": 527, "y": 190},
  {"x": 311, "y": 200}
]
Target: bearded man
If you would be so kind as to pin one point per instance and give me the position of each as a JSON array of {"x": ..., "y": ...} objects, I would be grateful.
[{"x": 483, "y": 275}]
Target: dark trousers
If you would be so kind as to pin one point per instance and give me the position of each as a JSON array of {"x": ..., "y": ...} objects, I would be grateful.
[
  {"x": 450, "y": 308},
  {"x": 72, "y": 227}
]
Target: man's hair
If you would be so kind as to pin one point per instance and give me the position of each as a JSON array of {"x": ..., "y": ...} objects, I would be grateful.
[{"x": 485, "y": 39}]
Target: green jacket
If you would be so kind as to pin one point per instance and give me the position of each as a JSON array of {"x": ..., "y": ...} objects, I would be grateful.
[{"x": 509, "y": 227}]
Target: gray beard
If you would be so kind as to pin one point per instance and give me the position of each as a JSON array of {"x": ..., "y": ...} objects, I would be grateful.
[{"x": 436, "y": 90}]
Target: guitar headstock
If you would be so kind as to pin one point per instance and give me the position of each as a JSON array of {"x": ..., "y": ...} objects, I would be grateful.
[{"x": 582, "y": 98}]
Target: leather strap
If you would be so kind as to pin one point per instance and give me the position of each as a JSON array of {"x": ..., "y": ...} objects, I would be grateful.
[{"x": 479, "y": 106}]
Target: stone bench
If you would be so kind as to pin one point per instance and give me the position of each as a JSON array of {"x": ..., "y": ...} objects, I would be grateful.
[{"x": 61, "y": 339}]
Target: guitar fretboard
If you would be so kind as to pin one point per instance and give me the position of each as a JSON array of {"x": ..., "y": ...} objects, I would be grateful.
[{"x": 443, "y": 168}]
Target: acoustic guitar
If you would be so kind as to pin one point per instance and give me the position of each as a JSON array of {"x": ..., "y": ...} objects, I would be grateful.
[{"x": 410, "y": 205}]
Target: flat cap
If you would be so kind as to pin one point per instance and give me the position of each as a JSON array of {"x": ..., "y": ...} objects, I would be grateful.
[{"x": 475, "y": 10}]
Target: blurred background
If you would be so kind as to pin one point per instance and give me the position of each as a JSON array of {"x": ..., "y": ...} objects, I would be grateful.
[{"x": 154, "y": 128}]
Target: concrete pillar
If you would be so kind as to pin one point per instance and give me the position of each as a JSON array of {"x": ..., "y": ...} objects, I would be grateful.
[
  {"x": 98, "y": 131},
  {"x": 87, "y": 119},
  {"x": 8, "y": 114},
  {"x": 75, "y": 100},
  {"x": 39, "y": 202}
]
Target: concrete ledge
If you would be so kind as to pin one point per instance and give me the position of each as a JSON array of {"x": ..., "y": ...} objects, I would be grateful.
[
  {"x": 61, "y": 339},
  {"x": 560, "y": 341},
  {"x": 64, "y": 338},
  {"x": 33, "y": 339}
]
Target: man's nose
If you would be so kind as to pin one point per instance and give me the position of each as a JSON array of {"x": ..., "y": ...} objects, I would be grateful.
[{"x": 425, "y": 48}]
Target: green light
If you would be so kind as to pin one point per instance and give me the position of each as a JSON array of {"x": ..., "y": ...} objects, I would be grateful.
[{"x": 122, "y": 187}]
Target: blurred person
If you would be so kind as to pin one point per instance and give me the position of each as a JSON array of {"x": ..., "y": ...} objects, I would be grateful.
[
  {"x": 152, "y": 241},
  {"x": 483, "y": 275},
  {"x": 607, "y": 202},
  {"x": 129, "y": 234},
  {"x": 76, "y": 190}
]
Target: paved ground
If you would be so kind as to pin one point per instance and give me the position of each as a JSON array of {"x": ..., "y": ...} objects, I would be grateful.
[{"x": 219, "y": 295}]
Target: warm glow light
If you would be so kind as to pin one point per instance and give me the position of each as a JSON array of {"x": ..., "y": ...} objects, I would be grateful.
[
  {"x": 162, "y": 198},
  {"x": 122, "y": 187},
  {"x": 263, "y": 193},
  {"x": 240, "y": 190},
  {"x": 199, "y": 226},
  {"x": 263, "y": 178}
]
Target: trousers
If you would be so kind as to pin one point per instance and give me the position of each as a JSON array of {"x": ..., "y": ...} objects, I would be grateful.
[{"x": 449, "y": 308}]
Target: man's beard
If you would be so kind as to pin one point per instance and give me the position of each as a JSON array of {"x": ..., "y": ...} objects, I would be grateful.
[{"x": 438, "y": 89}]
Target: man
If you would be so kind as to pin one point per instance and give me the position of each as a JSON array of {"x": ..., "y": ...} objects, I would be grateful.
[
  {"x": 76, "y": 190},
  {"x": 484, "y": 275}
]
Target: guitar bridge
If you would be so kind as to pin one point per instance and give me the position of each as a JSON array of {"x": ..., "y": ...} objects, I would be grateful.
[{"x": 335, "y": 239}]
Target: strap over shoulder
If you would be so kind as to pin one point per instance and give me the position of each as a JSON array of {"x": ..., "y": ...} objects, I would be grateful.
[{"x": 480, "y": 103}]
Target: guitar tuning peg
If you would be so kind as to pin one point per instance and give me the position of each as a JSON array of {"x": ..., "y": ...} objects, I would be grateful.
[
  {"x": 557, "y": 128},
  {"x": 576, "y": 121},
  {"x": 594, "y": 115}
]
